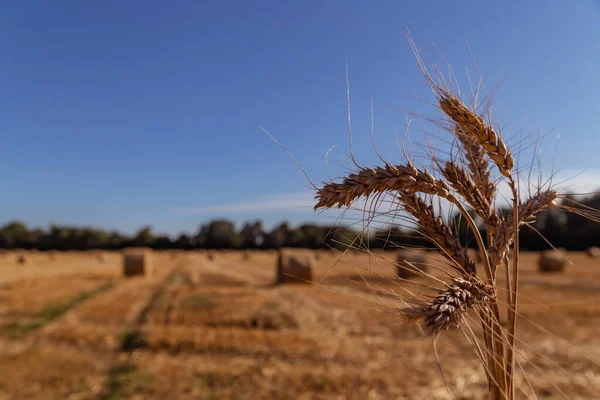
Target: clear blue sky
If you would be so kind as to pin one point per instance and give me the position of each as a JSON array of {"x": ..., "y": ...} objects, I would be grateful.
[{"x": 119, "y": 114}]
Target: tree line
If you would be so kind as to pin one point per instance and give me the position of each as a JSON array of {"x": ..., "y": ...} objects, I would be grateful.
[
  {"x": 217, "y": 234},
  {"x": 569, "y": 230}
]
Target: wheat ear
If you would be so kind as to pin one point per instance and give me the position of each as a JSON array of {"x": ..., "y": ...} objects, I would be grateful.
[
  {"x": 379, "y": 180},
  {"x": 473, "y": 126},
  {"x": 449, "y": 307}
]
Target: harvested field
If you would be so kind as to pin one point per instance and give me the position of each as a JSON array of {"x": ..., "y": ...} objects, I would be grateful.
[
  {"x": 54, "y": 372},
  {"x": 222, "y": 329},
  {"x": 42, "y": 264},
  {"x": 29, "y": 297}
]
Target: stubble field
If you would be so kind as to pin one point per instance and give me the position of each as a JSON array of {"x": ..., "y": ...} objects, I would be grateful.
[{"x": 71, "y": 327}]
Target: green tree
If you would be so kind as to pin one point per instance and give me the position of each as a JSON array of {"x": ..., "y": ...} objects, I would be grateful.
[
  {"x": 184, "y": 242},
  {"x": 163, "y": 242},
  {"x": 144, "y": 238},
  {"x": 115, "y": 240},
  {"x": 252, "y": 235},
  {"x": 278, "y": 237},
  {"x": 221, "y": 234},
  {"x": 14, "y": 235}
]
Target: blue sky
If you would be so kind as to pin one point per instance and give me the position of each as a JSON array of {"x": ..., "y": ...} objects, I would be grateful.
[{"x": 120, "y": 114}]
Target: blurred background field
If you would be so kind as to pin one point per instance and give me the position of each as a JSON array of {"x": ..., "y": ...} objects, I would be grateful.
[{"x": 195, "y": 327}]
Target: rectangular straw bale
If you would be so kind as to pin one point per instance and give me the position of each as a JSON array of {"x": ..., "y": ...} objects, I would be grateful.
[
  {"x": 295, "y": 266},
  {"x": 137, "y": 261}
]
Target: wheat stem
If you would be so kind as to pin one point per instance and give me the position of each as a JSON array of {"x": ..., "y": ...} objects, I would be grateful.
[{"x": 512, "y": 311}]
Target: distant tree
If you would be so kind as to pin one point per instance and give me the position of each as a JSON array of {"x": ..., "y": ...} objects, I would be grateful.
[
  {"x": 35, "y": 239},
  {"x": 221, "y": 234},
  {"x": 296, "y": 238},
  {"x": 313, "y": 236},
  {"x": 201, "y": 236},
  {"x": 552, "y": 225},
  {"x": 59, "y": 238},
  {"x": 163, "y": 242},
  {"x": 341, "y": 237},
  {"x": 144, "y": 238},
  {"x": 388, "y": 238},
  {"x": 184, "y": 242},
  {"x": 115, "y": 240},
  {"x": 252, "y": 235},
  {"x": 581, "y": 231},
  {"x": 14, "y": 235},
  {"x": 278, "y": 237},
  {"x": 88, "y": 238}
]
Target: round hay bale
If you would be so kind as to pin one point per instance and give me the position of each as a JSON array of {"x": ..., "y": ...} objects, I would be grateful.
[
  {"x": 593, "y": 252},
  {"x": 295, "y": 266},
  {"x": 410, "y": 263},
  {"x": 552, "y": 261},
  {"x": 137, "y": 261}
]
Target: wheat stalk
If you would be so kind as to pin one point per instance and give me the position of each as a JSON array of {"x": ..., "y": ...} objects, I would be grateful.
[{"x": 467, "y": 184}]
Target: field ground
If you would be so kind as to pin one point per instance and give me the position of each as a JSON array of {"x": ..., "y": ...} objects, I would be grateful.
[{"x": 72, "y": 328}]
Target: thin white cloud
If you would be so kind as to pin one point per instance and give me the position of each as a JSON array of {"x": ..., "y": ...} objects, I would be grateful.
[
  {"x": 573, "y": 181},
  {"x": 300, "y": 201}
]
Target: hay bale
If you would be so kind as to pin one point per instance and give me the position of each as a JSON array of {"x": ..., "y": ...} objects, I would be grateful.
[
  {"x": 246, "y": 256},
  {"x": 137, "y": 261},
  {"x": 552, "y": 261},
  {"x": 295, "y": 266},
  {"x": 410, "y": 262},
  {"x": 593, "y": 252}
]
